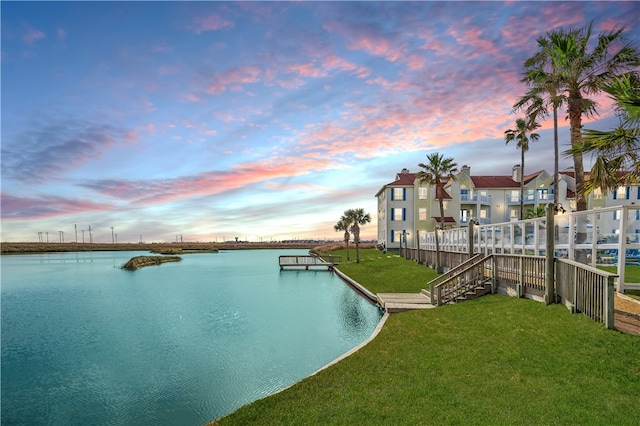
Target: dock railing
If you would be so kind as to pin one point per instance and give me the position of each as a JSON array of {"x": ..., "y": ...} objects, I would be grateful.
[{"x": 307, "y": 261}]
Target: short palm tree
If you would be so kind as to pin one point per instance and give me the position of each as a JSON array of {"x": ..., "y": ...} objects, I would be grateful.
[
  {"x": 539, "y": 211},
  {"x": 438, "y": 171},
  {"x": 357, "y": 218},
  {"x": 344, "y": 224},
  {"x": 519, "y": 134}
]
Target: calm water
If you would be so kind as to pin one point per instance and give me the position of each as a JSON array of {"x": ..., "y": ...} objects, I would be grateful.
[{"x": 84, "y": 342}]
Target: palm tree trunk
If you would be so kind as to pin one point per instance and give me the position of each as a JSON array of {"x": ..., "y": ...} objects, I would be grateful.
[
  {"x": 346, "y": 240},
  {"x": 521, "y": 183},
  {"x": 575, "y": 118},
  {"x": 556, "y": 156}
]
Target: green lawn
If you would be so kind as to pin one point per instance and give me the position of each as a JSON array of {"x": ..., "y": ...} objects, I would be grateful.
[
  {"x": 496, "y": 360},
  {"x": 385, "y": 273},
  {"x": 632, "y": 275}
]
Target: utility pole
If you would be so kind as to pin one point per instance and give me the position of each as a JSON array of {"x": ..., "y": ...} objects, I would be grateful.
[
  {"x": 61, "y": 233},
  {"x": 47, "y": 237},
  {"x": 90, "y": 236},
  {"x": 112, "y": 240},
  {"x": 40, "y": 236},
  {"x": 75, "y": 227}
]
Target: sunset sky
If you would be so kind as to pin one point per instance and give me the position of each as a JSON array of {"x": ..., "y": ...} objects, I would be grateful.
[{"x": 262, "y": 121}]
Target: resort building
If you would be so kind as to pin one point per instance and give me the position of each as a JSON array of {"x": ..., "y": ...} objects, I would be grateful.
[{"x": 408, "y": 208}]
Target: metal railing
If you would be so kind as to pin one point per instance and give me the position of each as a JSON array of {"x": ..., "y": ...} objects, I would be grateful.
[{"x": 606, "y": 236}]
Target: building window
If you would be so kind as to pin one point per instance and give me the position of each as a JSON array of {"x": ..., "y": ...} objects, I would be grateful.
[
  {"x": 422, "y": 214},
  {"x": 399, "y": 214},
  {"x": 616, "y": 215},
  {"x": 483, "y": 213},
  {"x": 543, "y": 194},
  {"x": 515, "y": 196},
  {"x": 399, "y": 194},
  {"x": 530, "y": 195},
  {"x": 422, "y": 193},
  {"x": 398, "y": 236},
  {"x": 464, "y": 215},
  {"x": 515, "y": 213},
  {"x": 622, "y": 193},
  {"x": 597, "y": 194}
]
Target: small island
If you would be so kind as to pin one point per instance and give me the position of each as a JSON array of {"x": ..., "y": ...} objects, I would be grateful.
[{"x": 142, "y": 261}]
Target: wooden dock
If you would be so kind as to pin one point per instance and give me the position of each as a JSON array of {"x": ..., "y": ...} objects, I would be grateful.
[
  {"x": 399, "y": 302},
  {"x": 307, "y": 262}
]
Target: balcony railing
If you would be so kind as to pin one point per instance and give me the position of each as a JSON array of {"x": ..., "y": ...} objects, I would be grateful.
[
  {"x": 536, "y": 199},
  {"x": 475, "y": 198}
]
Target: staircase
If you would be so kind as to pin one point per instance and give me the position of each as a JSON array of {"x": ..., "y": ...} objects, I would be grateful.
[{"x": 466, "y": 281}]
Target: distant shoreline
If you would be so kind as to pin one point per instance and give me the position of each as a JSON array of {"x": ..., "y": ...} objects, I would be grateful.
[{"x": 27, "y": 248}]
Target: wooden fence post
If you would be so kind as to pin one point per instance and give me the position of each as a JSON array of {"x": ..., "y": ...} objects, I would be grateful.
[
  {"x": 470, "y": 237},
  {"x": 609, "y": 318},
  {"x": 550, "y": 276}
]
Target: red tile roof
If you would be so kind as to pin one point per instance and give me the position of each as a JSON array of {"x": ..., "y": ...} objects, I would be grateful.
[
  {"x": 447, "y": 219},
  {"x": 501, "y": 181},
  {"x": 494, "y": 182},
  {"x": 403, "y": 179},
  {"x": 445, "y": 194}
]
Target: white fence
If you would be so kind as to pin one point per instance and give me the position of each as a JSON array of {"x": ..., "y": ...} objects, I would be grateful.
[{"x": 607, "y": 236}]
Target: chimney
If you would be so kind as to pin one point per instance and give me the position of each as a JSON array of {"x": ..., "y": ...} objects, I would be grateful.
[
  {"x": 517, "y": 173},
  {"x": 466, "y": 169},
  {"x": 404, "y": 171}
]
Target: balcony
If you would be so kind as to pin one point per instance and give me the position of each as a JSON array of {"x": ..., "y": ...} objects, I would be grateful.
[
  {"x": 475, "y": 199},
  {"x": 529, "y": 199}
]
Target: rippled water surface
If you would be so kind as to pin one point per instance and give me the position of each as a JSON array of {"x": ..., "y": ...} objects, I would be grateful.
[{"x": 84, "y": 342}]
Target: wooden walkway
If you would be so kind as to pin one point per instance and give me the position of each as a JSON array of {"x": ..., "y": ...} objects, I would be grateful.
[
  {"x": 627, "y": 314},
  {"x": 399, "y": 302},
  {"x": 307, "y": 262}
]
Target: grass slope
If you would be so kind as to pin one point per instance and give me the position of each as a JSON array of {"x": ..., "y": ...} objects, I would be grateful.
[{"x": 496, "y": 360}]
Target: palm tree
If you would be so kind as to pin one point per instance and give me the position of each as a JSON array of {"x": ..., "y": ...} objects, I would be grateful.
[
  {"x": 617, "y": 150},
  {"x": 343, "y": 225},
  {"x": 539, "y": 211},
  {"x": 357, "y": 217},
  {"x": 519, "y": 134},
  {"x": 438, "y": 171},
  {"x": 544, "y": 91},
  {"x": 583, "y": 73}
]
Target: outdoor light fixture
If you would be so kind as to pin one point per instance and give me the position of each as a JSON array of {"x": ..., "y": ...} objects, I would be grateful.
[{"x": 559, "y": 209}]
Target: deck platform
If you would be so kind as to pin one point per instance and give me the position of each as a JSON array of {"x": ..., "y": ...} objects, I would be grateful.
[
  {"x": 399, "y": 302},
  {"x": 305, "y": 262}
]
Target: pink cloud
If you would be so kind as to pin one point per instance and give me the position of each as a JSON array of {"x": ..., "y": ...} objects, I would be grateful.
[
  {"x": 146, "y": 192},
  {"x": 376, "y": 46},
  {"x": 212, "y": 22},
  {"x": 62, "y": 33},
  {"x": 332, "y": 61},
  {"x": 192, "y": 97},
  {"x": 234, "y": 78},
  {"x": 32, "y": 35},
  {"x": 306, "y": 70},
  {"x": 21, "y": 208}
]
